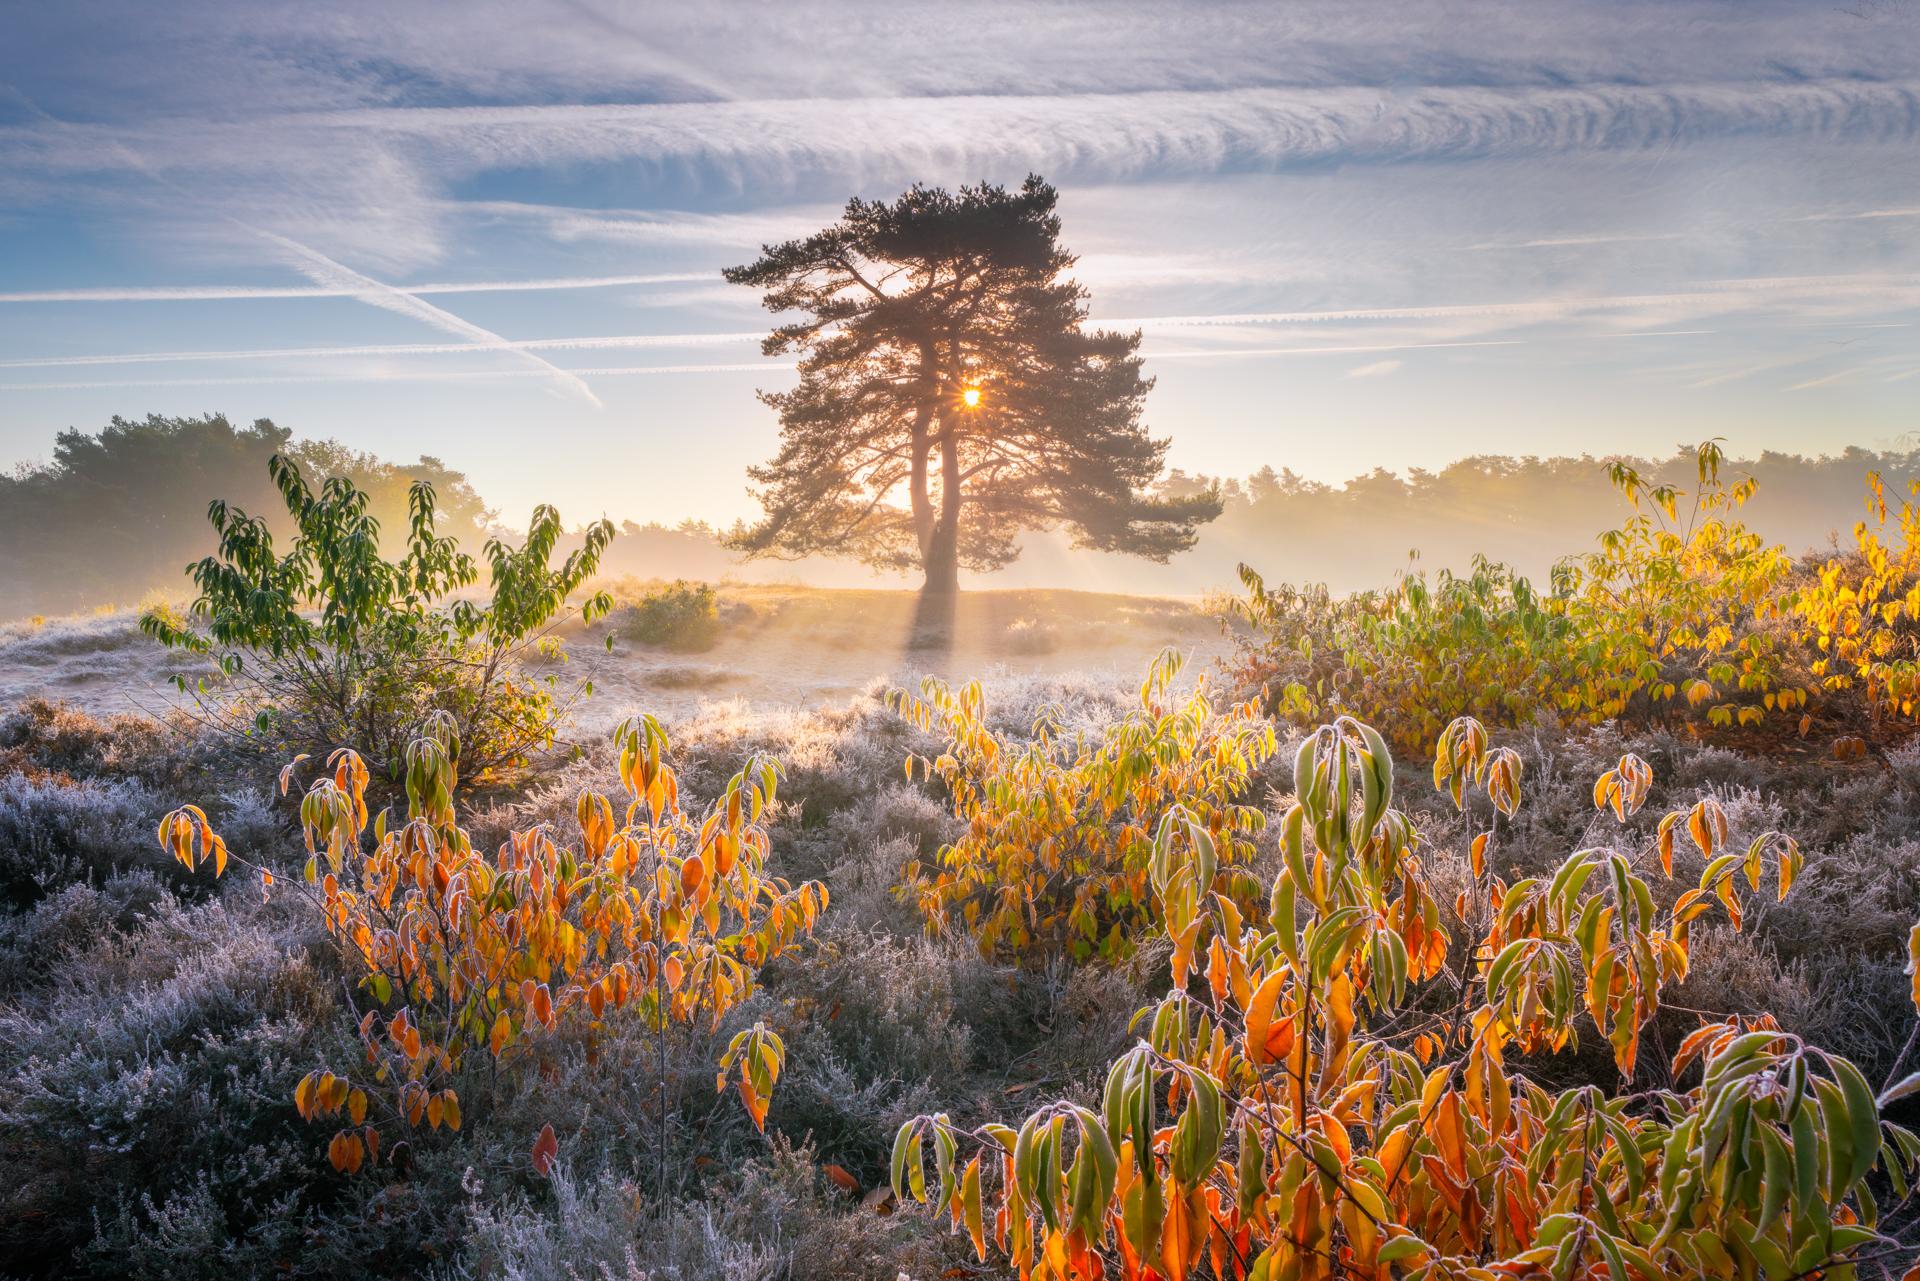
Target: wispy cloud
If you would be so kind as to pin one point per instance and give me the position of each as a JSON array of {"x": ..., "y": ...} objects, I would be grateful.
[
  {"x": 201, "y": 293},
  {"x": 1376, "y": 369},
  {"x": 1240, "y": 353},
  {"x": 633, "y": 226},
  {"x": 1860, "y": 215},
  {"x": 1108, "y": 134},
  {"x": 1826, "y": 380},
  {"x": 389, "y": 159},
  {"x": 591, "y": 343},
  {"x": 1823, "y": 296},
  {"x": 388, "y": 375},
  {"x": 1721, "y": 296},
  {"x": 329, "y": 274},
  {"x": 1577, "y": 242}
]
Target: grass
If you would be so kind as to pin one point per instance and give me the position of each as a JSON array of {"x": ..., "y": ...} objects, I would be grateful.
[{"x": 151, "y": 1028}]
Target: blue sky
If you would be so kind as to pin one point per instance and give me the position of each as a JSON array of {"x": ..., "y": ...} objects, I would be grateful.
[{"x": 1354, "y": 235}]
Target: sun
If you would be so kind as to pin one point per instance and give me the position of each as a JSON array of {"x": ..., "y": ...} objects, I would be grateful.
[{"x": 972, "y": 396}]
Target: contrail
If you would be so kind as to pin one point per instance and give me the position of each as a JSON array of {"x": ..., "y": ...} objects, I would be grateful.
[
  {"x": 618, "y": 371},
  {"x": 275, "y": 380},
  {"x": 1712, "y": 291},
  {"x": 609, "y": 342},
  {"x": 323, "y": 270},
  {"x": 328, "y": 274},
  {"x": 198, "y": 293}
]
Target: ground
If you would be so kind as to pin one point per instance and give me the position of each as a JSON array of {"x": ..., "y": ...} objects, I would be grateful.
[
  {"x": 154, "y": 1022},
  {"x": 777, "y": 648}
]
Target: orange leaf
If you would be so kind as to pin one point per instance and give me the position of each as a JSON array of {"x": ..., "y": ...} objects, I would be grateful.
[
  {"x": 1178, "y": 1243},
  {"x": 756, "y": 1104},
  {"x": 1268, "y": 1038},
  {"x": 545, "y": 1149}
]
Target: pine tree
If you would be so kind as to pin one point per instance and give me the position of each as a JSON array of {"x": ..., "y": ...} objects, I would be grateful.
[{"x": 943, "y": 358}]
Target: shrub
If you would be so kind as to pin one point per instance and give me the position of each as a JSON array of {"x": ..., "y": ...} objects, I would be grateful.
[
  {"x": 891, "y": 1035},
  {"x": 1670, "y": 607},
  {"x": 64, "y": 926},
  {"x": 1299, "y": 1117},
  {"x": 1423, "y": 652},
  {"x": 391, "y": 646},
  {"x": 458, "y": 954},
  {"x": 54, "y": 834},
  {"x": 38, "y": 737},
  {"x": 680, "y": 616},
  {"x": 139, "y": 1064},
  {"x": 1862, "y": 614},
  {"x": 1055, "y": 856},
  {"x": 1669, "y": 615},
  {"x": 781, "y": 1219}
]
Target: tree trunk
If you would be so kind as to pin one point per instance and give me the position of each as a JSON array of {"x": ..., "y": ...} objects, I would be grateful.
[
  {"x": 923, "y": 520},
  {"x": 942, "y": 558},
  {"x": 942, "y": 563},
  {"x": 919, "y": 447}
]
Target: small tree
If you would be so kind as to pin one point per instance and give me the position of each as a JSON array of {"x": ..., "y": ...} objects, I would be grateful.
[
  {"x": 331, "y": 642},
  {"x": 942, "y": 354},
  {"x": 1056, "y": 854}
]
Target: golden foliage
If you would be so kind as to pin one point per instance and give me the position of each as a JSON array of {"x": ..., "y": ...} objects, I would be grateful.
[
  {"x": 457, "y": 952},
  {"x": 1058, "y": 850},
  {"x": 1296, "y": 1116},
  {"x": 1862, "y": 615},
  {"x": 1681, "y": 611}
]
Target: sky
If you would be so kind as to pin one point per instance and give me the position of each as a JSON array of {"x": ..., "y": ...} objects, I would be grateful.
[{"x": 1353, "y": 235}]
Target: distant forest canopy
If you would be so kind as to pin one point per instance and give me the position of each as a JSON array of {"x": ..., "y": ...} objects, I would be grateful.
[
  {"x": 119, "y": 514},
  {"x": 1528, "y": 512}
]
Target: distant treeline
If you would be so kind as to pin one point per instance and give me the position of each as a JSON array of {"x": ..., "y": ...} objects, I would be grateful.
[
  {"x": 1528, "y": 512},
  {"x": 119, "y": 513}
]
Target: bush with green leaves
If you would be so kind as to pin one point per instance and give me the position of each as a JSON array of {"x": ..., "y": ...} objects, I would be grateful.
[
  {"x": 1680, "y": 613},
  {"x": 681, "y": 616},
  {"x": 329, "y": 641}
]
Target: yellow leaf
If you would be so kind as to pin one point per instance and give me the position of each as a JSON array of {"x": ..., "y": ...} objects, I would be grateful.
[
  {"x": 970, "y": 1209},
  {"x": 1913, "y": 962}
]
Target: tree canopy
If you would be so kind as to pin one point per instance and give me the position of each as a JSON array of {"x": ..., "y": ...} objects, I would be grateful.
[
  {"x": 117, "y": 513},
  {"x": 944, "y": 364}
]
